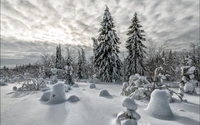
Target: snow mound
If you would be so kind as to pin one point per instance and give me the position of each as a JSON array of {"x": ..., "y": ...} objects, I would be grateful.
[
  {"x": 73, "y": 98},
  {"x": 159, "y": 105},
  {"x": 129, "y": 122},
  {"x": 46, "y": 96},
  {"x": 104, "y": 93},
  {"x": 75, "y": 85},
  {"x": 129, "y": 104},
  {"x": 58, "y": 93},
  {"x": 45, "y": 89},
  {"x": 189, "y": 88},
  {"x": 92, "y": 86},
  {"x": 3, "y": 84}
]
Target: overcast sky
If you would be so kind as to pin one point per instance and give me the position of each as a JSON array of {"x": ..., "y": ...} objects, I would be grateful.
[{"x": 32, "y": 27}]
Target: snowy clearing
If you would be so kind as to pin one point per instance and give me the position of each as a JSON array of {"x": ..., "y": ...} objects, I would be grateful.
[{"x": 25, "y": 108}]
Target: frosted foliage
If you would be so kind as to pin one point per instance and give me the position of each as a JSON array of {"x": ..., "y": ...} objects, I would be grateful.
[{"x": 159, "y": 105}]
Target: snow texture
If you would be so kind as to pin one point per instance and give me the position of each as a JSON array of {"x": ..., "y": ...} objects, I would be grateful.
[
  {"x": 45, "y": 89},
  {"x": 46, "y": 95},
  {"x": 129, "y": 122},
  {"x": 104, "y": 93},
  {"x": 73, "y": 98},
  {"x": 129, "y": 104},
  {"x": 58, "y": 93},
  {"x": 92, "y": 86},
  {"x": 159, "y": 105},
  {"x": 75, "y": 85}
]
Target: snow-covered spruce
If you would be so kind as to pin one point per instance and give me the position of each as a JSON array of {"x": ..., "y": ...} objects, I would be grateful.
[
  {"x": 104, "y": 93},
  {"x": 69, "y": 69},
  {"x": 159, "y": 105},
  {"x": 129, "y": 116},
  {"x": 58, "y": 94},
  {"x": 136, "y": 49},
  {"x": 92, "y": 86},
  {"x": 106, "y": 59},
  {"x": 73, "y": 98}
]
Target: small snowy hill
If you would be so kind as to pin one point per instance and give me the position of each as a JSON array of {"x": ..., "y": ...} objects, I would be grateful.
[{"x": 25, "y": 108}]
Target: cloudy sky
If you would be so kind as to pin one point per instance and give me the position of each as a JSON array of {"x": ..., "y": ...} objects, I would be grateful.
[{"x": 32, "y": 27}]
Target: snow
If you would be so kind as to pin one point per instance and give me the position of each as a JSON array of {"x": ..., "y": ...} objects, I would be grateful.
[
  {"x": 58, "y": 93},
  {"x": 92, "y": 86},
  {"x": 189, "y": 87},
  {"x": 24, "y": 108},
  {"x": 46, "y": 95},
  {"x": 67, "y": 88},
  {"x": 45, "y": 89},
  {"x": 129, "y": 104},
  {"x": 129, "y": 122},
  {"x": 159, "y": 106},
  {"x": 104, "y": 93},
  {"x": 73, "y": 98}
]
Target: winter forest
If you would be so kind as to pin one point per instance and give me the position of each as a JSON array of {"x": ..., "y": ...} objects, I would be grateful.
[{"x": 123, "y": 76}]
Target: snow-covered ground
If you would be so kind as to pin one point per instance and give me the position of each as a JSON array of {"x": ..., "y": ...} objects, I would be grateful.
[{"x": 25, "y": 108}]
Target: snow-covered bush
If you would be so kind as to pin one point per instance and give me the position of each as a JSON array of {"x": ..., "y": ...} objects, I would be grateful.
[
  {"x": 129, "y": 116},
  {"x": 58, "y": 94},
  {"x": 137, "y": 87},
  {"x": 73, "y": 98},
  {"x": 69, "y": 79},
  {"x": 104, "y": 93},
  {"x": 159, "y": 105},
  {"x": 92, "y": 86},
  {"x": 53, "y": 78}
]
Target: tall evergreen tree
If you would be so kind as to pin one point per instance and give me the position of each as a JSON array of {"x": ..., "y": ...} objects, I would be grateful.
[
  {"x": 79, "y": 69},
  {"x": 69, "y": 70},
  {"x": 136, "y": 49},
  {"x": 58, "y": 57},
  {"x": 107, "y": 59}
]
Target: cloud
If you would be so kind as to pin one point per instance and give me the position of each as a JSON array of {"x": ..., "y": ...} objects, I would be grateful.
[{"x": 38, "y": 26}]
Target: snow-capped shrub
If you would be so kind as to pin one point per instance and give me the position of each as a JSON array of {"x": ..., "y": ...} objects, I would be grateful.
[
  {"x": 189, "y": 88},
  {"x": 73, "y": 98},
  {"x": 58, "y": 94},
  {"x": 138, "y": 94},
  {"x": 124, "y": 86},
  {"x": 92, "y": 86},
  {"x": 104, "y": 93},
  {"x": 159, "y": 105},
  {"x": 129, "y": 116},
  {"x": 46, "y": 96}
]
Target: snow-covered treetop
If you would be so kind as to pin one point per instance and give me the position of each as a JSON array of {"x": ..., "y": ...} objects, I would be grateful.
[{"x": 129, "y": 104}]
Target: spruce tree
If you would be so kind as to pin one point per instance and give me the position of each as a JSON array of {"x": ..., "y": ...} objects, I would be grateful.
[
  {"x": 58, "y": 57},
  {"x": 106, "y": 58},
  {"x": 136, "y": 49},
  {"x": 69, "y": 70},
  {"x": 79, "y": 69},
  {"x": 84, "y": 64}
]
